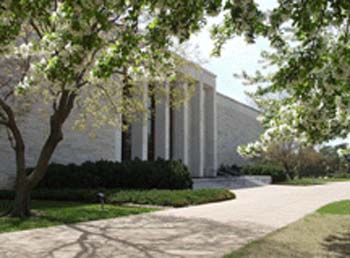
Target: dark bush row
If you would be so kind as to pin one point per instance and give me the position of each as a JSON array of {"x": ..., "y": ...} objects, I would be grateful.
[
  {"x": 159, "y": 174},
  {"x": 72, "y": 195},
  {"x": 232, "y": 170},
  {"x": 278, "y": 174}
]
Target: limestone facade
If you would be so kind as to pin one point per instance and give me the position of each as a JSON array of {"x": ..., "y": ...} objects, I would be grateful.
[{"x": 203, "y": 133}]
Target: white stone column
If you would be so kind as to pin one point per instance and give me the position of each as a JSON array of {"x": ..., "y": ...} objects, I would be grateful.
[
  {"x": 210, "y": 133},
  {"x": 139, "y": 132},
  {"x": 162, "y": 131},
  {"x": 181, "y": 129},
  {"x": 197, "y": 132}
]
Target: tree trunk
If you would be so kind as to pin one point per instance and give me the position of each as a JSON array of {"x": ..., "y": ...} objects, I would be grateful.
[
  {"x": 21, "y": 206},
  {"x": 26, "y": 183},
  {"x": 288, "y": 172}
]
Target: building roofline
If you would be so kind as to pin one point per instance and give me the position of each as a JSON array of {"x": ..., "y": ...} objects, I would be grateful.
[
  {"x": 204, "y": 69},
  {"x": 197, "y": 65},
  {"x": 238, "y": 102}
]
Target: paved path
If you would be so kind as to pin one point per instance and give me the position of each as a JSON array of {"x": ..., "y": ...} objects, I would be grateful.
[{"x": 203, "y": 231}]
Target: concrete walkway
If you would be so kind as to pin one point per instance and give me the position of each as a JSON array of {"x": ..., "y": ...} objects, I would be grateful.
[{"x": 209, "y": 230}]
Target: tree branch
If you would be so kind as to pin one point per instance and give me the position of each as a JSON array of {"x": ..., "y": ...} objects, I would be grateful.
[
  {"x": 10, "y": 138},
  {"x": 19, "y": 143},
  {"x": 6, "y": 108},
  {"x": 3, "y": 116},
  {"x": 63, "y": 109},
  {"x": 37, "y": 30}
]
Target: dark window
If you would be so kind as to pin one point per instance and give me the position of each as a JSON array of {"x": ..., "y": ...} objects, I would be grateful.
[
  {"x": 171, "y": 133},
  {"x": 171, "y": 121},
  {"x": 126, "y": 134},
  {"x": 151, "y": 125},
  {"x": 126, "y": 144}
]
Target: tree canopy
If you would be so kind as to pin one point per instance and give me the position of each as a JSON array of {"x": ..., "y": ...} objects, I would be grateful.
[
  {"x": 306, "y": 97},
  {"x": 67, "y": 53},
  {"x": 90, "y": 53}
]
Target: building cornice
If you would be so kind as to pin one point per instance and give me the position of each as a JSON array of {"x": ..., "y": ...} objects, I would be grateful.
[{"x": 237, "y": 102}]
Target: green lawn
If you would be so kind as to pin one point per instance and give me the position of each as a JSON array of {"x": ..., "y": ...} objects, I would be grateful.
[
  {"x": 174, "y": 198},
  {"x": 326, "y": 233},
  {"x": 313, "y": 181},
  {"x": 72, "y": 206},
  {"x": 52, "y": 213},
  {"x": 336, "y": 208}
]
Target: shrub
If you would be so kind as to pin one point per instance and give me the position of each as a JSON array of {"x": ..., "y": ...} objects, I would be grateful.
[
  {"x": 175, "y": 198},
  {"x": 232, "y": 170},
  {"x": 159, "y": 174},
  {"x": 313, "y": 171},
  {"x": 341, "y": 175},
  {"x": 73, "y": 195},
  {"x": 277, "y": 173}
]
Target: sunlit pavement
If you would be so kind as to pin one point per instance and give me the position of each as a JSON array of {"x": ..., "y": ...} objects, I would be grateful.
[{"x": 209, "y": 230}]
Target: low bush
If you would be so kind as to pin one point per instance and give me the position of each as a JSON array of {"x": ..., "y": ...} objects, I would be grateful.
[
  {"x": 159, "y": 174},
  {"x": 175, "y": 198},
  {"x": 341, "y": 175},
  {"x": 232, "y": 170},
  {"x": 313, "y": 171},
  {"x": 277, "y": 173}
]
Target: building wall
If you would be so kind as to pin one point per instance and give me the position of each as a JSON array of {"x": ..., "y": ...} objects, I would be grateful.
[
  {"x": 76, "y": 147},
  {"x": 236, "y": 125},
  {"x": 208, "y": 130}
]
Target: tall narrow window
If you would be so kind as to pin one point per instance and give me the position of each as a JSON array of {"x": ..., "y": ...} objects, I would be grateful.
[
  {"x": 171, "y": 121},
  {"x": 151, "y": 124},
  {"x": 126, "y": 144},
  {"x": 126, "y": 134},
  {"x": 171, "y": 133}
]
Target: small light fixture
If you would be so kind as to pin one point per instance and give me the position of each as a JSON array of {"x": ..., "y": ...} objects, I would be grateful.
[{"x": 101, "y": 196}]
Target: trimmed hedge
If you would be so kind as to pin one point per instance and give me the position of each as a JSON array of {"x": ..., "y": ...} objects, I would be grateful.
[
  {"x": 175, "y": 198},
  {"x": 277, "y": 173},
  {"x": 159, "y": 174},
  {"x": 232, "y": 170}
]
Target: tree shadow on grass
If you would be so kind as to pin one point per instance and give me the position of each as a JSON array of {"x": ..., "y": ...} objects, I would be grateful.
[{"x": 338, "y": 244}]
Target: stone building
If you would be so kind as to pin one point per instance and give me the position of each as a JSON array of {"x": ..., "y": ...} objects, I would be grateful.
[{"x": 204, "y": 133}]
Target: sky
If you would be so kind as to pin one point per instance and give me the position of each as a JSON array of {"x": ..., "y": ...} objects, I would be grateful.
[{"x": 237, "y": 56}]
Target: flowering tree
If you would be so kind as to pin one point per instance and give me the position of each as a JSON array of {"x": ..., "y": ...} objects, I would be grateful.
[
  {"x": 91, "y": 53},
  {"x": 64, "y": 53},
  {"x": 86, "y": 52},
  {"x": 311, "y": 54}
]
